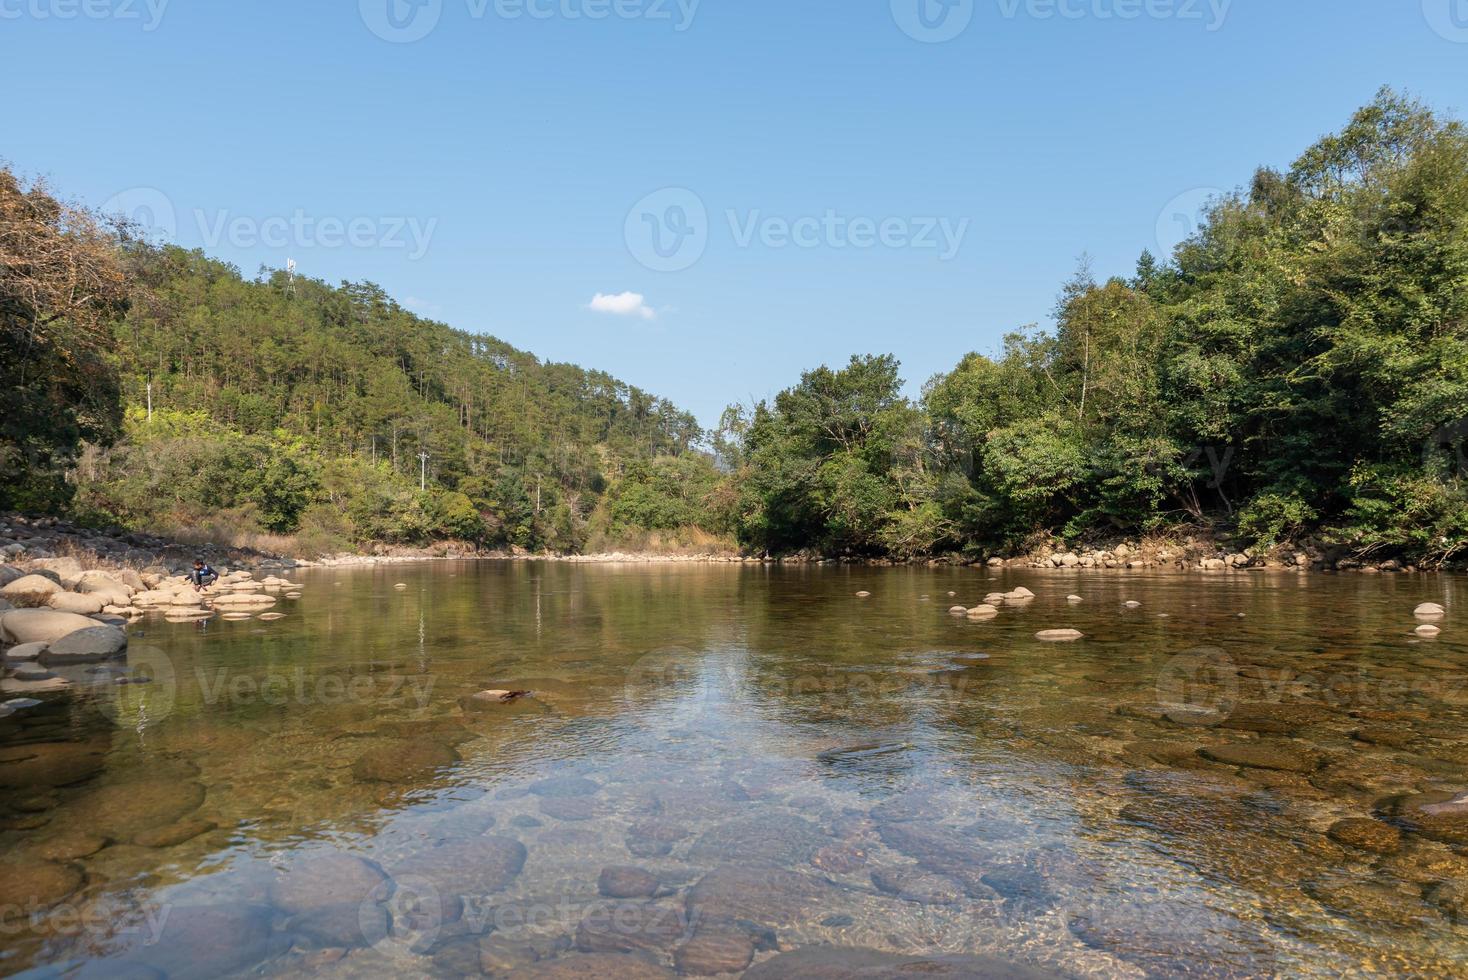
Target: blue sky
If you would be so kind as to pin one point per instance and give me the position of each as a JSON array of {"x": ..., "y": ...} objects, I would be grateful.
[{"x": 825, "y": 177}]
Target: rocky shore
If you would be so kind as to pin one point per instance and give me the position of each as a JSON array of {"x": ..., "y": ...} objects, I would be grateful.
[
  {"x": 63, "y": 625},
  {"x": 25, "y": 539}
]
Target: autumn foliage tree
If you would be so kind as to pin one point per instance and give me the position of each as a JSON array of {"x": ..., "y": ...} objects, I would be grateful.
[{"x": 62, "y": 287}]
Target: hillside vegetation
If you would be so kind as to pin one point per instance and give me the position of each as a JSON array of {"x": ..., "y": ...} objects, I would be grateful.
[{"x": 1299, "y": 366}]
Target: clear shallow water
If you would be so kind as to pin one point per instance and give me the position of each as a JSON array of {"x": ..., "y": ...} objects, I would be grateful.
[{"x": 772, "y": 763}]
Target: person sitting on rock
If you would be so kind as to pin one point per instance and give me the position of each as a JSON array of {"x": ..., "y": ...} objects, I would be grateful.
[{"x": 202, "y": 576}]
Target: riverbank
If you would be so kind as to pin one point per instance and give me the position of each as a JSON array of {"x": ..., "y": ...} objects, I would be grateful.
[{"x": 25, "y": 539}]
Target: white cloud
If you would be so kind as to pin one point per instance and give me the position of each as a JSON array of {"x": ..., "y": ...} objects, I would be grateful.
[{"x": 622, "y": 304}]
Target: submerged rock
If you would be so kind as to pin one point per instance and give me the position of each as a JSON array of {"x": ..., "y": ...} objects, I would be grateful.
[
  {"x": 1440, "y": 816},
  {"x": 403, "y": 762},
  {"x": 1261, "y": 755},
  {"x": 1367, "y": 834},
  {"x": 468, "y": 867},
  {"x": 34, "y": 884},
  {"x": 775, "y": 839},
  {"x": 1059, "y": 636},
  {"x": 326, "y": 880},
  {"x": 594, "y": 966},
  {"x": 918, "y": 886},
  {"x": 123, "y": 810},
  {"x": 626, "y": 882},
  {"x": 559, "y": 787},
  {"x": 841, "y": 962},
  {"x": 770, "y": 896}
]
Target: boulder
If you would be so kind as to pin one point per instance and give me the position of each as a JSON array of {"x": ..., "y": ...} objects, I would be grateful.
[
  {"x": 23, "y": 653},
  {"x": 984, "y": 611},
  {"x": 30, "y": 585},
  {"x": 1059, "y": 636},
  {"x": 1429, "y": 610},
  {"x": 41, "y": 625},
  {"x": 64, "y": 570},
  {"x": 75, "y": 602},
  {"x": 84, "y": 646}
]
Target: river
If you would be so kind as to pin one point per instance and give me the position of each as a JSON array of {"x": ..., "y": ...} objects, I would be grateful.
[{"x": 729, "y": 766}]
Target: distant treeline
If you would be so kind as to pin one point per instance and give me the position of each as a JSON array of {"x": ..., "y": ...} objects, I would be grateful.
[{"x": 1298, "y": 365}]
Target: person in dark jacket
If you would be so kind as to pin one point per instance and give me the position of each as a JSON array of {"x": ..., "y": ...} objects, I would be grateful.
[{"x": 202, "y": 576}]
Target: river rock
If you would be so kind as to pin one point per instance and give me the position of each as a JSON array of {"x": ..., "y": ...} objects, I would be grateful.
[
  {"x": 403, "y": 761},
  {"x": 122, "y": 810},
  {"x": 776, "y": 839},
  {"x": 1275, "y": 717},
  {"x": 26, "y": 885},
  {"x": 564, "y": 786},
  {"x": 1440, "y": 816},
  {"x": 68, "y": 845},
  {"x": 842, "y": 962},
  {"x": 595, "y": 966},
  {"x": 50, "y": 764},
  {"x": 984, "y": 611},
  {"x": 1366, "y": 834},
  {"x": 343, "y": 925},
  {"x": 325, "y": 880},
  {"x": 1428, "y": 630},
  {"x": 467, "y": 867},
  {"x": 206, "y": 941},
  {"x": 104, "y": 587},
  {"x": 24, "y": 652},
  {"x": 41, "y": 625},
  {"x": 718, "y": 946},
  {"x": 629, "y": 927},
  {"x": 1059, "y": 636},
  {"x": 1429, "y": 610},
  {"x": 654, "y": 838},
  {"x": 572, "y": 808},
  {"x": 914, "y": 885},
  {"x": 769, "y": 896},
  {"x": 1450, "y": 898},
  {"x": 1262, "y": 755},
  {"x": 84, "y": 646},
  {"x": 30, "y": 587},
  {"x": 175, "y": 833},
  {"x": 627, "y": 882},
  {"x": 75, "y": 602}
]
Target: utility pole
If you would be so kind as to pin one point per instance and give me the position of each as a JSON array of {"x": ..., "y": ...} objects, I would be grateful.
[{"x": 423, "y": 471}]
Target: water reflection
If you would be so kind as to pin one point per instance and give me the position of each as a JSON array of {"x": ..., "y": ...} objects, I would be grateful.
[{"x": 724, "y": 766}]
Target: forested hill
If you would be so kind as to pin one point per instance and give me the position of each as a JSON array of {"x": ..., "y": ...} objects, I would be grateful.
[
  {"x": 350, "y": 368},
  {"x": 295, "y": 405},
  {"x": 159, "y": 388}
]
